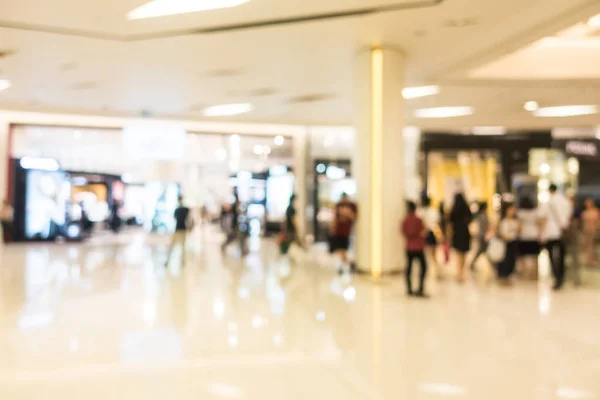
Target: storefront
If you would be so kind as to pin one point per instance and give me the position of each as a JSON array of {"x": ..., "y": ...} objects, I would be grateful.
[{"x": 481, "y": 166}]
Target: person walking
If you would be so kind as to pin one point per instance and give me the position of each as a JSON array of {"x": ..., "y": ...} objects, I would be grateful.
[
  {"x": 414, "y": 231},
  {"x": 483, "y": 228},
  {"x": 529, "y": 237},
  {"x": 574, "y": 240},
  {"x": 508, "y": 231},
  {"x": 233, "y": 232},
  {"x": 289, "y": 232},
  {"x": 431, "y": 218},
  {"x": 458, "y": 231},
  {"x": 183, "y": 223},
  {"x": 444, "y": 229},
  {"x": 556, "y": 214},
  {"x": 341, "y": 228},
  {"x": 590, "y": 219},
  {"x": 7, "y": 215}
]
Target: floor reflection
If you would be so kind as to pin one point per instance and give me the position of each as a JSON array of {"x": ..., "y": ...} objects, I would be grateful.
[{"x": 111, "y": 319}]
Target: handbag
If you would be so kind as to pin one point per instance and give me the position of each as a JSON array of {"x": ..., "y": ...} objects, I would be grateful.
[{"x": 496, "y": 250}]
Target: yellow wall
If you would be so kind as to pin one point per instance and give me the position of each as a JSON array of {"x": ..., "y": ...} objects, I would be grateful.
[{"x": 478, "y": 177}]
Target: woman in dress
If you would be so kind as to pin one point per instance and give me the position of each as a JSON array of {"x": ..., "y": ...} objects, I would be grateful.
[
  {"x": 590, "y": 219},
  {"x": 529, "y": 237},
  {"x": 458, "y": 230}
]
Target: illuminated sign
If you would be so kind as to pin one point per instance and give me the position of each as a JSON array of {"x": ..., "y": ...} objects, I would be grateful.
[{"x": 580, "y": 148}]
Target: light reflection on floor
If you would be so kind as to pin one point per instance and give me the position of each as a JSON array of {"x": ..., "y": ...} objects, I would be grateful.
[{"x": 108, "y": 320}]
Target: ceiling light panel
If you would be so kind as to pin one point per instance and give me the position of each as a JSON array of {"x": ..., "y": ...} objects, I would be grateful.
[
  {"x": 4, "y": 84},
  {"x": 566, "y": 111},
  {"x": 420, "y": 91},
  {"x": 444, "y": 112},
  {"x": 161, "y": 8},
  {"x": 227, "y": 110}
]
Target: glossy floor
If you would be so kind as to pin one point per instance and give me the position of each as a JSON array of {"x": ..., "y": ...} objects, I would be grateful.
[{"x": 106, "y": 320}]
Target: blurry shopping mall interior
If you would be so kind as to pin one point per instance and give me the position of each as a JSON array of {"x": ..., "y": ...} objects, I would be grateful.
[{"x": 117, "y": 115}]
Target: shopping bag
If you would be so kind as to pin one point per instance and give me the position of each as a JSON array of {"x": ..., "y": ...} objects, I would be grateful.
[{"x": 496, "y": 250}]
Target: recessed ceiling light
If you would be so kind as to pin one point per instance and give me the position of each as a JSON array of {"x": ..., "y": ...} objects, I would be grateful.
[
  {"x": 4, "y": 84},
  {"x": 444, "y": 112},
  {"x": 224, "y": 73},
  {"x": 279, "y": 140},
  {"x": 460, "y": 22},
  {"x": 420, "y": 91},
  {"x": 312, "y": 98},
  {"x": 161, "y": 8},
  {"x": 565, "y": 111},
  {"x": 531, "y": 106},
  {"x": 227, "y": 110},
  {"x": 263, "y": 92}
]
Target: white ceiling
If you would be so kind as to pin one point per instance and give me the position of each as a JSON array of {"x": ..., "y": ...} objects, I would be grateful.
[{"x": 177, "y": 76}]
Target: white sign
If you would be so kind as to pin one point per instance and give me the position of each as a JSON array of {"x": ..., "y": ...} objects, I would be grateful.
[
  {"x": 579, "y": 148},
  {"x": 154, "y": 140}
]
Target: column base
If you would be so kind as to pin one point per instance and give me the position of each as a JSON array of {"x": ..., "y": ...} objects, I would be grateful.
[{"x": 367, "y": 271}]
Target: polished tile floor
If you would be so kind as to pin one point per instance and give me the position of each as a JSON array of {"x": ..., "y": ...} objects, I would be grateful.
[{"x": 106, "y": 320}]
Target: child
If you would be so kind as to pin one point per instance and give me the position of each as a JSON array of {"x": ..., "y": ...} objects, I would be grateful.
[{"x": 414, "y": 231}]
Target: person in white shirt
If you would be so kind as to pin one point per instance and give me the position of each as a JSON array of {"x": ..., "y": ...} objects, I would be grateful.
[
  {"x": 556, "y": 215},
  {"x": 529, "y": 237},
  {"x": 431, "y": 218},
  {"x": 508, "y": 231}
]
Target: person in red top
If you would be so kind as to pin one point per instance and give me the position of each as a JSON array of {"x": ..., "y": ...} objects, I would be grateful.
[
  {"x": 414, "y": 231},
  {"x": 341, "y": 229}
]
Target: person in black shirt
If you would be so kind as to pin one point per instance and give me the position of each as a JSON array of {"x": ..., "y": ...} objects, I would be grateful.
[
  {"x": 182, "y": 225},
  {"x": 290, "y": 220}
]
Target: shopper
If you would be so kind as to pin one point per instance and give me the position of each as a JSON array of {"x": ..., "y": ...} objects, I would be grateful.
[
  {"x": 591, "y": 223},
  {"x": 115, "y": 217},
  {"x": 443, "y": 234},
  {"x": 341, "y": 228},
  {"x": 289, "y": 231},
  {"x": 483, "y": 229},
  {"x": 458, "y": 231},
  {"x": 414, "y": 231},
  {"x": 573, "y": 241},
  {"x": 556, "y": 215},
  {"x": 183, "y": 223},
  {"x": 508, "y": 231},
  {"x": 231, "y": 222},
  {"x": 6, "y": 220},
  {"x": 431, "y": 218},
  {"x": 529, "y": 237}
]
